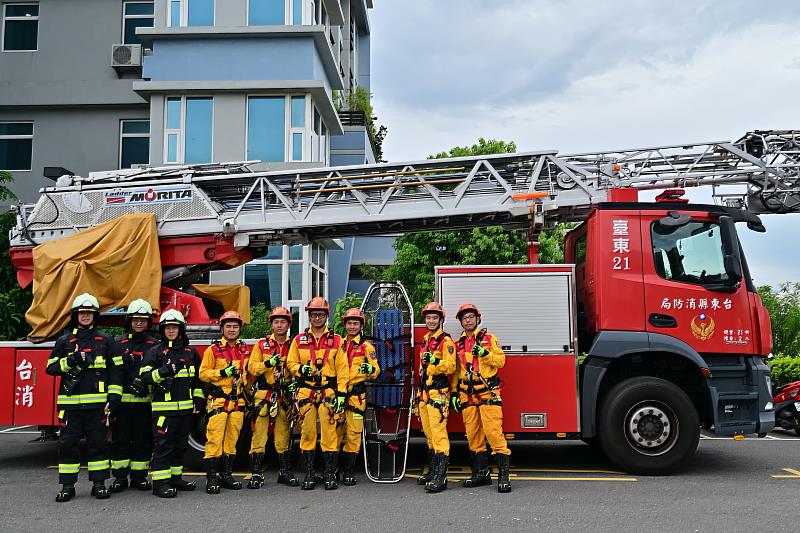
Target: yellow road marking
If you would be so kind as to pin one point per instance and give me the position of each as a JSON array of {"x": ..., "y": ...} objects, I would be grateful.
[{"x": 793, "y": 474}]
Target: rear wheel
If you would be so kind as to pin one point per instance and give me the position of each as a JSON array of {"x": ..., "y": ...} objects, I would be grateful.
[{"x": 648, "y": 426}]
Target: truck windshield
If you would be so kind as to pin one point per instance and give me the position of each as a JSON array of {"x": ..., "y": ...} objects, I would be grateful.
[{"x": 691, "y": 253}]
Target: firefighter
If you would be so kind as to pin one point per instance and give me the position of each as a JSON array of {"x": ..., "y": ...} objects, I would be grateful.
[
  {"x": 363, "y": 365},
  {"x": 225, "y": 368},
  {"x": 476, "y": 393},
  {"x": 171, "y": 368},
  {"x": 437, "y": 363},
  {"x": 90, "y": 393},
  {"x": 317, "y": 359},
  {"x": 131, "y": 441},
  {"x": 274, "y": 399}
]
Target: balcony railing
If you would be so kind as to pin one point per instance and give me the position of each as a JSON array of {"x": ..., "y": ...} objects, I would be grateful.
[{"x": 352, "y": 118}]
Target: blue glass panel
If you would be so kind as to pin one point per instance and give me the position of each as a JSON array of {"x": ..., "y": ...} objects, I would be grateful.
[
  {"x": 265, "y": 284},
  {"x": 298, "y": 111},
  {"x": 297, "y": 147},
  {"x": 199, "y": 117},
  {"x": 22, "y": 10},
  {"x": 20, "y": 35},
  {"x": 295, "y": 281},
  {"x": 16, "y": 128},
  {"x": 135, "y": 151},
  {"x": 274, "y": 251},
  {"x": 172, "y": 148},
  {"x": 175, "y": 13},
  {"x": 297, "y": 11},
  {"x": 173, "y": 113},
  {"x": 296, "y": 251},
  {"x": 135, "y": 126},
  {"x": 267, "y": 12},
  {"x": 201, "y": 13},
  {"x": 265, "y": 128},
  {"x": 130, "y": 29}
]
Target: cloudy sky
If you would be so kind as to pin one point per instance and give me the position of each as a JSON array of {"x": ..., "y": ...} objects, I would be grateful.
[{"x": 583, "y": 75}]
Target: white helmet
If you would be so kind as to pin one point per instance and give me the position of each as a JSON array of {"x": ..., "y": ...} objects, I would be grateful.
[
  {"x": 85, "y": 302},
  {"x": 171, "y": 316},
  {"x": 140, "y": 308}
]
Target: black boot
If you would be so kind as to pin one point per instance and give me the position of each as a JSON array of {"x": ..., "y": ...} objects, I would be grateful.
[
  {"x": 140, "y": 483},
  {"x": 285, "y": 474},
  {"x": 163, "y": 489},
  {"x": 66, "y": 494},
  {"x": 212, "y": 476},
  {"x": 181, "y": 484},
  {"x": 226, "y": 475},
  {"x": 480, "y": 471},
  {"x": 348, "y": 461},
  {"x": 424, "y": 478},
  {"x": 438, "y": 482},
  {"x": 307, "y": 460},
  {"x": 503, "y": 467},
  {"x": 120, "y": 483},
  {"x": 99, "y": 490},
  {"x": 256, "y": 477},
  {"x": 331, "y": 468}
]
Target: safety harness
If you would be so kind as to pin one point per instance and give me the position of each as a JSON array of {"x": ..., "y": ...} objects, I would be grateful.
[
  {"x": 491, "y": 385},
  {"x": 236, "y": 392},
  {"x": 319, "y": 390},
  {"x": 438, "y": 382},
  {"x": 355, "y": 349}
]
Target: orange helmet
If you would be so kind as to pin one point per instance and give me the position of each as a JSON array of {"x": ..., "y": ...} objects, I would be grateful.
[
  {"x": 354, "y": 313},
  {"x": 468, "y": 307},
  {"x": 433, "y": 307},
  {"x": 230, "y": 315},
  {"x": 318, "y": 303},
  {"x": 280, "y": 312}
]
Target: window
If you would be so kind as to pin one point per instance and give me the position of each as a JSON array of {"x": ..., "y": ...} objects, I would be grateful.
[
  {"x": 266, "y": 124},
  {"x": 277, "y": 12},
  {"x": 691, "y": 253},
  {"x": 16, "y": 145},
  {"x": 266, "y": 12},
  {"x": 20, "y": 27},
  {"x": 134, "y": 143},
  {"x": 190, "y": 13},
  {"x": 135, "y": 15},
  {"x": 278, "y": 130},
  {"x": 188, "y": 129}
]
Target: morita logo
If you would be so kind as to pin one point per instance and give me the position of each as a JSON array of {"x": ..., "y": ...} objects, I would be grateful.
[{"x": 151, "y": 195}]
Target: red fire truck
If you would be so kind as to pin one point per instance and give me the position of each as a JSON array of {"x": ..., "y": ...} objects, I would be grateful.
[{"x": 651, "y": 330}]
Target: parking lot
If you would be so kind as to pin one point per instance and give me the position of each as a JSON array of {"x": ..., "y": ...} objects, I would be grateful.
[{"x": 558, "y": 486}]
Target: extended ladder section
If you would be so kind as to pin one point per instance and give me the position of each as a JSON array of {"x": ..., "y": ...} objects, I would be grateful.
[{"x": 506, "y": 189}]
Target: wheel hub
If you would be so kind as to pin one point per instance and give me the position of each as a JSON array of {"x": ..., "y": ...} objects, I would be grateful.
[{"x": 649, "y": 426}]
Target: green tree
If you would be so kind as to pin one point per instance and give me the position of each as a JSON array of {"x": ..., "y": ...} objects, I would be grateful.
[
  {"x": 551, "y": 243},
  {"x": 784, "y": 312},
  {"x": 350, "y": 300},
  {"x": 14, "y": 301}
]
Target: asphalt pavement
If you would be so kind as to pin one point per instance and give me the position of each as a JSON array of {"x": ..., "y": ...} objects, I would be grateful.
[{"x": 729, "y": 486}]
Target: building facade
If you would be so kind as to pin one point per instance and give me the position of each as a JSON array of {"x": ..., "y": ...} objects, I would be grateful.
[{"x": 99, "y": 84}]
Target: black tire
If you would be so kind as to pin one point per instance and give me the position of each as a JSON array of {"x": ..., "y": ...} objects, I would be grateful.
[{"x": 648, "y": 426}]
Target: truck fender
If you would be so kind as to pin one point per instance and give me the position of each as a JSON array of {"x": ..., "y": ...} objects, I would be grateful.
[{"x": 611, "y": 345}]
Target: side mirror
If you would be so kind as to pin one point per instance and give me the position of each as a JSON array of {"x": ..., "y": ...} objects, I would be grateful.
[{"x": 731, "y": 257}]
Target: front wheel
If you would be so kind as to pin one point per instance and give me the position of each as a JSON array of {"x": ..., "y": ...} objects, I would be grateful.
[{"x": 648, "y": 426}]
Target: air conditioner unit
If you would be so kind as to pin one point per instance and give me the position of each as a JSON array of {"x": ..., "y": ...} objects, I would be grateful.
[{"x": 126, "y": 55}]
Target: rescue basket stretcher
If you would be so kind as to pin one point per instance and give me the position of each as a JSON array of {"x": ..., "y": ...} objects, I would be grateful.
[{"x": 387, "y": 416}]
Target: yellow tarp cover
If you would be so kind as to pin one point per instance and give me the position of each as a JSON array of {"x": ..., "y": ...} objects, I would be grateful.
[
  {"x": 232, "y": 297},
  {"x": 117, "y": 261}
]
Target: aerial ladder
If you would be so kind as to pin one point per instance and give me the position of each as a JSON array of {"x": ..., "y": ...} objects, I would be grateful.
[{"x": 213, "y": 215}]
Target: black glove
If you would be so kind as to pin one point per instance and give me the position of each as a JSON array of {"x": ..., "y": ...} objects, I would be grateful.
[
  {"x": 228, "y": 371},
  {"x": 306, "y": 370},
  {"x": 114, "y": 403},
  {"x": 76, "y": 359},
  {"x": 167, "y": 370},
  {"x": 138, "y": 387},
  {"x": 455, "y": 404},
  {"x": 479, "y": 350},
  {"x": 429, "y": 359},
  {"x": 199, "y": 404}
]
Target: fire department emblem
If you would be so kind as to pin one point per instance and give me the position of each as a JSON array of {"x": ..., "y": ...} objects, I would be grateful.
[{"x": 703, "y": 327}]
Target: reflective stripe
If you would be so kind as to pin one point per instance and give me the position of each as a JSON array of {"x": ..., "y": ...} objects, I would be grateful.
[
  {"x": 98, "y": 363},
  {"x": 118, "y": 360},
  {"x": 140, "y": 465},
  {"x": 173, "y": 406},
  {"x": 52, "y": 360},
  {"x": 158, "y": 475},
  {"x": 72, "y": 468},
  {"x": 81, "y": 399},
  {"x": 101, "y": 385},
  {"x": 160, "y": 421},
  {"x": 183, "y": 373},
  {"x": 176, "y": 470},
  {"x": 130, "y": 398},
  {"x": 64, "y": 366},
  {"x": 145, "y": 369},
  {"x": 98, "y": 465},
  {"x": 168, "y": 397},
  {"x": 122, "y": 463},
  {"x": 198, "y": 393},
  {"x": 115, "y": 389},
  {"x": 156, "y": 376}
]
